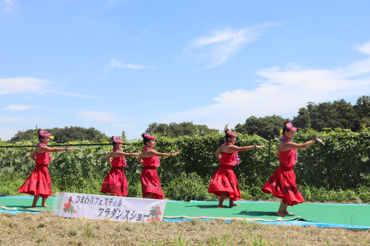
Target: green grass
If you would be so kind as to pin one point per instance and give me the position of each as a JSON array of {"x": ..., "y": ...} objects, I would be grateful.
[{"x": 192, "y": 187}]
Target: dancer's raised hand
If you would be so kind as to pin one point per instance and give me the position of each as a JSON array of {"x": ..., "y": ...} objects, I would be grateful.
[
  {"x": 176, "y": 153},
  {"x": 320, "y": 141}
]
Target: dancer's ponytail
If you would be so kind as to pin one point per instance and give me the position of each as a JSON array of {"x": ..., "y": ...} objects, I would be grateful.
[
  {"x": 144, "y": 138},
  {"x": 227, "y": 135},
  {"x": 38, "y": 134}
]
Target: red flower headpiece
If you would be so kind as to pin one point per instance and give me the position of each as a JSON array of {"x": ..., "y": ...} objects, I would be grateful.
[
  {"x": 44, "y": 134},
  {"x": 149, "y": 137},
  {"x": 117, "y": 140}
]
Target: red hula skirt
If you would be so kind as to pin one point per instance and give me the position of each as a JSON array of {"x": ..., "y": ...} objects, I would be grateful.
[
  {"x": 282, "y": 184},
  {"x": 115, "y": 182},
  {"x": 150, "y": 183},
  {"x": 38, "y": 183},
  {"x": 225, "y": 180}
]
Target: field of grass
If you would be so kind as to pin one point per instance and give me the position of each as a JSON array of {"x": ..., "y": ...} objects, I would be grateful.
[{"x": 47, "y": 229}]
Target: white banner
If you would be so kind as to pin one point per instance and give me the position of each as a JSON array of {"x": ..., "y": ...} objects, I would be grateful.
[{"x": 115, "y": 208}]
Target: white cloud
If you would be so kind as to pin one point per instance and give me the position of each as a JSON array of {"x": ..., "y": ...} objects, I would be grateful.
[
  {"x": 20, "y": 120},
  {"x": 364, "y": 48},
  {"x": 9, "y": 4},
  {"x": 282, "y": 92},
  {"x": 116, "y": 63},
  {"x": 221, "y": 44},
  {"x": 66, "y": 93},
  {"x": 18, "y": 107},
  {"x": 21, "y": 84},
  {"x": 34, "y": 85},
  {"x": 98, "y": 116}
]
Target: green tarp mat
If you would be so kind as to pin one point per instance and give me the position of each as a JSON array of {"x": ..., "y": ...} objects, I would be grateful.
[
  {"x": 344, "y": 214},
  {"x": 24, "y": 203}
]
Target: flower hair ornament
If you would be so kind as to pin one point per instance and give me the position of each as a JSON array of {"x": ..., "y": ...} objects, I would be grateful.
[
  {"x": 150, "y": 137},
  {"x": 44, "y": 134},
  {"x": 290, "y": 128},
  {"x": 231, "y": 134},
  {"x": 117, "y": 140}
]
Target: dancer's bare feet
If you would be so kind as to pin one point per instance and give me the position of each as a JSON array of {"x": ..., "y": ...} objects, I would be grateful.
[
  {"x": 235, "y": 205},
  {"x": 33, "y": 206},
  {"x": 35, "y": 199},
  {"x": 280, "y": 214},
  {"x": 220, "y": 206},
  {"x": 288, "y": 213},
  {"x": 44, "y": 203}
]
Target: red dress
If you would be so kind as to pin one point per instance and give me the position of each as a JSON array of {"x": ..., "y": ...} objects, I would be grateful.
[
  {"x": 115, "y": 182},
  {"x": 38, "y": 183},
  {"x": 224, "y": 179},
  {"x": 149, "y": 178},
  {"x": 282, "y": 183}
]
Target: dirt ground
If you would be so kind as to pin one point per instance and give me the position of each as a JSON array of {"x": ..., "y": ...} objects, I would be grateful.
[{"x": 48, "y": 229}]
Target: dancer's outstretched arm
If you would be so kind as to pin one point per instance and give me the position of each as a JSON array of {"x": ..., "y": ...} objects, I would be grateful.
[
  {"x": 291, "y": 145},
  {"x": 47, "y": 149},
  {"x": 120, "y": 153},
  {"x": 163, "y": 154},
  {"x": 245, "y": 148}
]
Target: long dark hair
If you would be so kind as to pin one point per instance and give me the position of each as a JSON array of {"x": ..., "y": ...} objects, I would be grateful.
[
  {"x": 145, "y": 140},
  {"x": 113, "y": 143},
  {"x": 285, "y": 129},
  {"x": 38, "y": 134},
  {"x": 227, "y": 135}
]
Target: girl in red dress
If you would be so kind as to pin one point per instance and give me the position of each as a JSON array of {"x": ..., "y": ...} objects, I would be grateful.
[
  {"x": 115, "y": 182},
  {"x": 39, "y": 183},
  {"x": 224, "y": 182},
  {"x": 150, "y": 184},
  {"x": 282, "y": 183}
]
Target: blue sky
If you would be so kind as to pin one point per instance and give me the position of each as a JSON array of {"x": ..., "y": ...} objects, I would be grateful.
[{"x": 121, "y": 65}]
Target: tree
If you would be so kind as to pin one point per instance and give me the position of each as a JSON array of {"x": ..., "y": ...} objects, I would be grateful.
[
  {"x": 303, "y": 117},
  {"x": 174, "y": 130},
  {"x": 362, "y": 109},
  {"x": 123, "y": 136},
  {"x": 157, "y": 128},
  {"x": 267, "y": 127},
  {"x": 362, "y": 106},
  {"x": 63, "y": 135},
  {"x": 327, "y": 115}
]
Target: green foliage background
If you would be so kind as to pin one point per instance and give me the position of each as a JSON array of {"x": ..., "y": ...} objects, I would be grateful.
[
  {"x": 338, "y": 171},
  {"x": 62, "y": 135}
]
